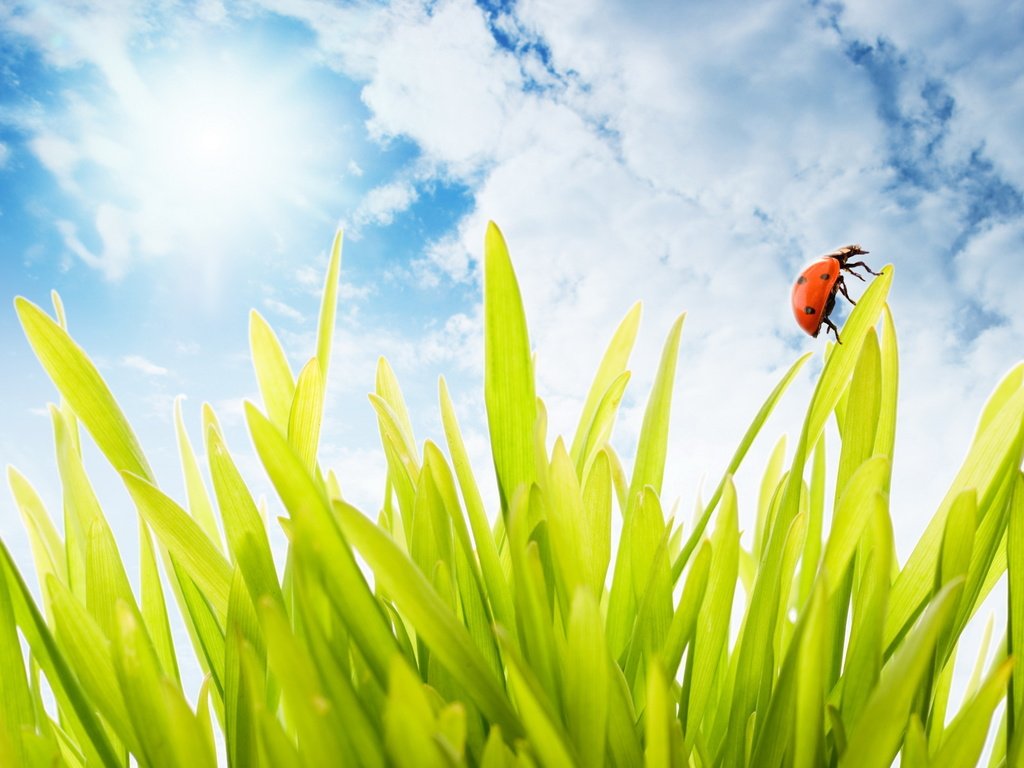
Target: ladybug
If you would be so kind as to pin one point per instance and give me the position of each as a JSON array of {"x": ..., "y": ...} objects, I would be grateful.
[{"x": 814, "y": 292}]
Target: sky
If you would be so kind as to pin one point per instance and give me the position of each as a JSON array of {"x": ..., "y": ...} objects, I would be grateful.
[{"x": 168, "y": 166}]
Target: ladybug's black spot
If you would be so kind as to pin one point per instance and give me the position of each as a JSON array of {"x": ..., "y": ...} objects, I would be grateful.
[
  {"x": 808, "y": 310},
  {"x": 825, "y": 276},
  {"x": 801, "y": 280}
]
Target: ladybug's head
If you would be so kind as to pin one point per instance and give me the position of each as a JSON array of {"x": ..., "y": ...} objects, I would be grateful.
[{"x": 842, "y": 255}]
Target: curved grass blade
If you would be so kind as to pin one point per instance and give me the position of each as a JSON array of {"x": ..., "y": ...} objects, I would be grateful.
[{"x": 273, "y": 374}]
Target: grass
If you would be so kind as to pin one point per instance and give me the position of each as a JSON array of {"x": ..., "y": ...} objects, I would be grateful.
[{"x": 514, "y": 636}]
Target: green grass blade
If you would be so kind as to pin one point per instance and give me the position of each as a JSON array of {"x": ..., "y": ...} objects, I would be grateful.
[
  {"x": 587, "y": 682},
  {"x": 199, "y": 505},
  {"x": 306, "y": 414},
  {"x": 17, "y": 712},
  {"x": 610, "y": 370},
  {"x": 965, "y": 737},
  {"x": 658, "y": 717},
  {"x": 80, "y": 384},
  {"x": 185, "y": 540},
  {"x": 875, "y": 736},
  {"x": 1015, "y": 619},
  {"x": 597, "y": 521},
  {"x": 273, "y": 374},
  {"x": 508, "y": 372},
  {"x": 448, "y": 640},
  {"x": 684, "y": 620},
  {"x": 47, "y": 547},
  {"x": 154, "y": 607},
  {"x": 409, "y": 721},
  {"x": 329, "y": 307}
]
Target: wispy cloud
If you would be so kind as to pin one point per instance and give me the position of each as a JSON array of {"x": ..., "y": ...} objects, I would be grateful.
[
  {"x": 284, "y": 310},
  {"x": 140, "y": 363}
]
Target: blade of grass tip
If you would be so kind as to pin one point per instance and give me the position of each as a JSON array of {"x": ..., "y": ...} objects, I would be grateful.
[
  {"x": 769, "y": 484},
  {"x": 737, "y": 459},
  {"x": 885, "y": 434},
  {"x": 47, "y": 547},
  {"x": 244, "y": 527},
  {"x": 388, "y": 390},
  {"x": 487, "y": 551},
  {"x": 154, "y": 607},
  {"x": 273, "y": 373},
  {"x": 565, "y": 523},
  {"x": 17, "y": 714},
  {"x": 611, "y": 368},
  {"x": 80, "y": 383},
  {"x": 80, "y": 505},
  {"x": 991, "y": 455},
  {"x": 306, "y": 414},
  {"x": 195, "y": 489},
  {"x": 648, "y": 470},
  {"x": 315, "y": 527},
  {"x": 965, "y": 736},
  {"x": 329, "y": 307},
  {"x": 874, "y": 738},
  {"x": 64, "y": 684},
  {"x": 509, "y": 392},
  {"x": 604, "y": 421},
  {"x": 185, "y": 541},
  {"x": 1015, "y": 617},
  {"x": 449, "y": 641},
  {"x": 1005, "y": 389}
]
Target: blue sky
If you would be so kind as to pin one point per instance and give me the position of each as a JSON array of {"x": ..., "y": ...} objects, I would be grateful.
[{"x": 166, "y": 167}]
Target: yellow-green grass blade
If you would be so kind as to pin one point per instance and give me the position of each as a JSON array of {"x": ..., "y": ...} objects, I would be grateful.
[
  {"x": 185, "y": 540},
  {"x": 566, "y": 522},
  {"x": 712, "y": 631},
  {"x": 313, "y": 715},
  {"x": 658, "y": 717},
  {"x": 1004, "y": 391},
  {"x": 205, "y": 628},
  {"x": 273, "y": 374},
  {"x": 611, "y": 369},
  {"x": 874, "y": 738},
  {"x": 994, "y": 452},
  {"x": 965, "y": 736},
  {"x": 885, "y": 434},
  {"x": 106, "y": 580},
  {"x": 243, "y": 525},
  {"x": 167, "y": 731},
  {"x": 734, "y": 463},
  {"x": 47, "y": 547},
  {"x": 316, "y": 533},
  {"x": 409, "y": 721},
  {"x": 199, "y": 505},
  {"x": 1015, "y": 618},
  {"x": 915, "y": 746},
  {"x": 652, "y": 577},
  {"x": 306, "y": 414},
  {"x": 490, "y": 564},
  {"x": 82, "y": 386},
  {"x": 815, "y": 523},
  {"x": 811, "y": 671},
  {"x": 74, "y": 701},
  {"x": 861, "y": 417},
  {"x": 154, "y": 607},
  {"x": 684, "y": 620},
  {"x": 870, "y": 600},
  {"x": 648, "y": 470},
  {"x": 587, "y": 683},
  {"x": 239, "y": 722},
  {"x": 509, "y": 392},
  {"x": 17, "y": 712},
  {"x": 448, "y": 640},
  {"x": 769, "y": 485},
  {"x": 388, "y": 390},
  {"x": 547, "y": 738},
  {"x": 597, "y": 521},
  {"x": 329, "y": 307}
]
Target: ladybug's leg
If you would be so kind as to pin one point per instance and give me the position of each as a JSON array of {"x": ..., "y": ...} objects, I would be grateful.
[
  {"x": 832, "y": 328},
  {"x": 849, "y": 268},
  {"x": 841, "y": 285}
]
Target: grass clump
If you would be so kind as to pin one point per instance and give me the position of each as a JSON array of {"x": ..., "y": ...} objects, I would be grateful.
[{"x": 517, "y": 637}]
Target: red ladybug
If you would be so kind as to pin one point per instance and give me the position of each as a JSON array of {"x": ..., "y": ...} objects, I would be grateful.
[{"x": 814, "y": 292}]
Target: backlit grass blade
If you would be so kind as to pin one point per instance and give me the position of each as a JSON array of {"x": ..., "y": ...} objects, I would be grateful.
[
  {"x": 273, "y": 374},
  {"x": 874, "y": 737},
  {"x": 329, "y": 307},
  {"x": 185, "y": 541},
  {"x": 885, "y": 434},
  {"x": 317, "y": 533},
  {"x": 239, "y": 720},
  {"x": 487, "y": 551},
  {"x": 199, "y": 505},
  {"x": 154, "y": 607},
  {"x": 47, "y": 652},
  {"x": 965, "y": 737},
  {"x": 734, "y": 463},
  {"x": 306, "y": 414},
  {"x": 17, "y": 713},
  {"x": 388, "y": 390},
  {"x": 448, "y": 640},
  {"x": 1015, "y": 619},
  {"x": 992, "y": 454},
  {"x": 597, "y": 521},
  {"x": 408, "y": 721},
  {"x": 47, "y": 547},
  {"x": 684, "y": 620},
  {"x": 80, "y": 384},
  {"x": 587, "y": 681},
  {"x": 604, "y": 420},
  {"x": 659, "y": 715},
  {"x": 566, "y": 523},
  {"x": 508, "y": 372}
]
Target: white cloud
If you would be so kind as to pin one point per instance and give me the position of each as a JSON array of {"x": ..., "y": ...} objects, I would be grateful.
[
  {"x": 5, "y": 154},
  {"x": 381, "y": 204},
  {"x": 140, "y": 363},
  {"x": 284, "y": 310}
]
